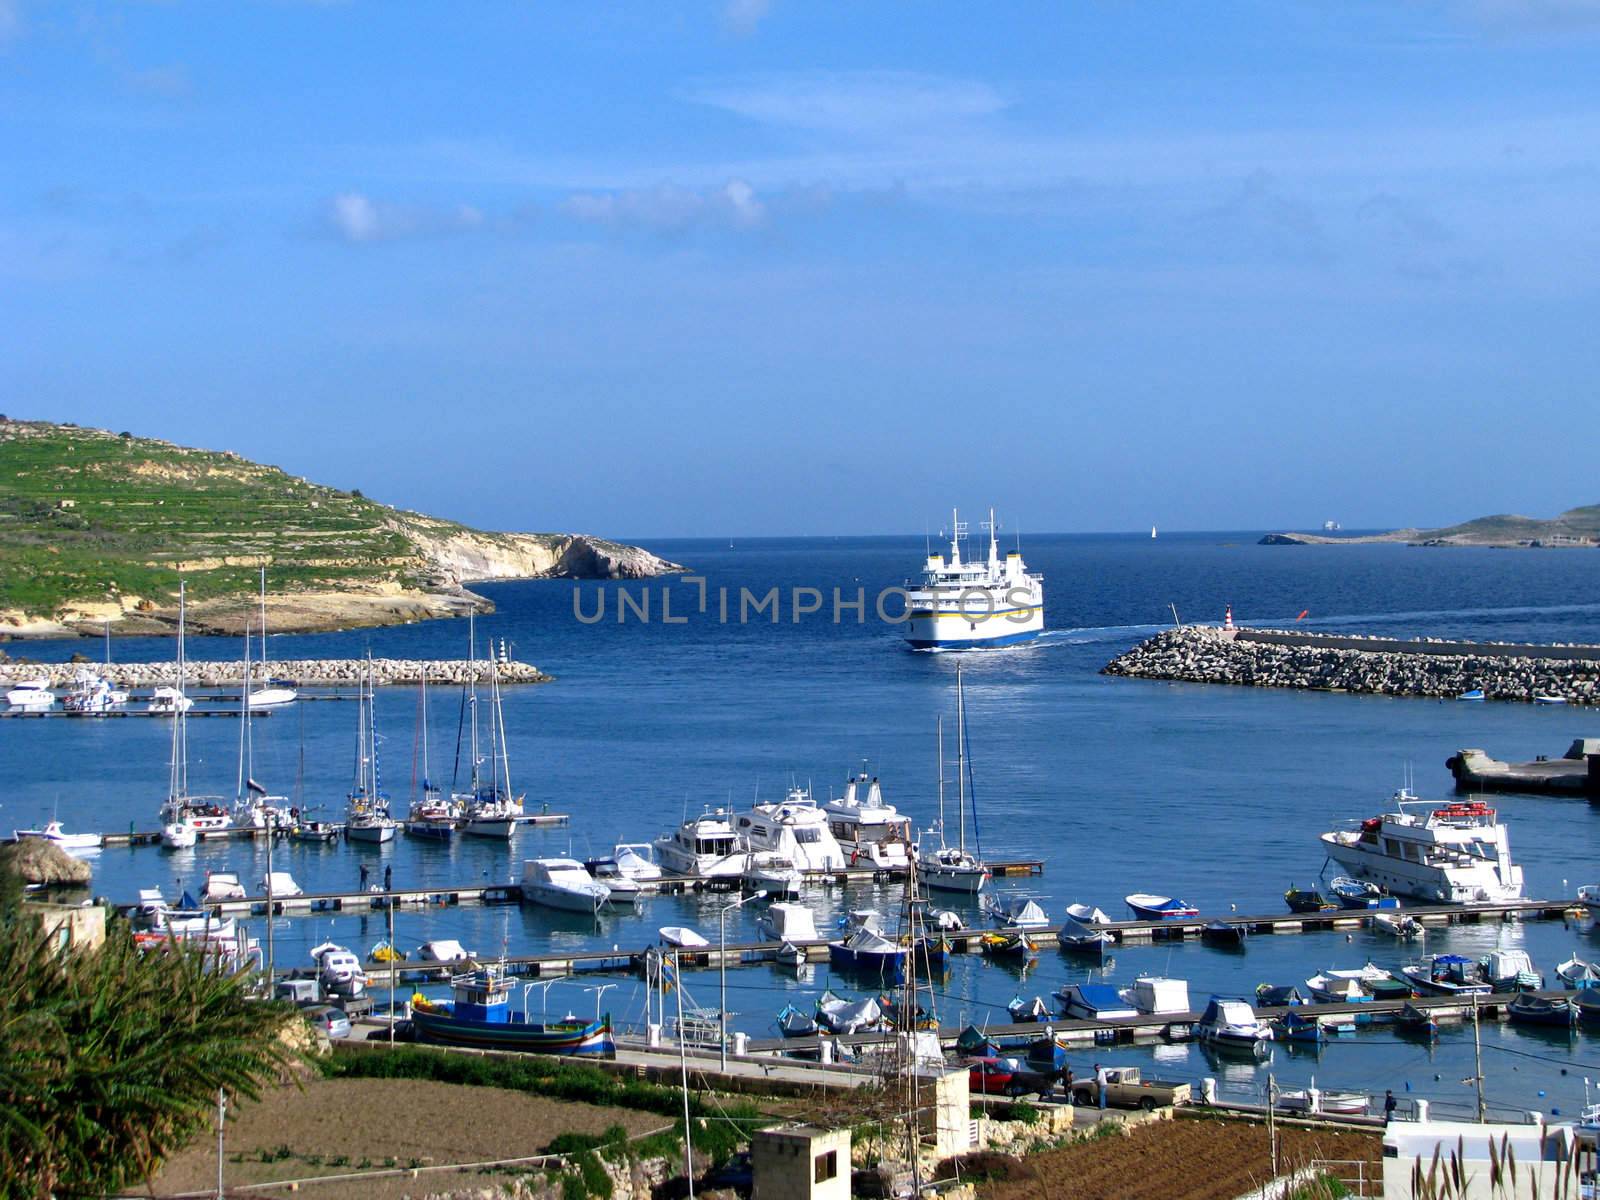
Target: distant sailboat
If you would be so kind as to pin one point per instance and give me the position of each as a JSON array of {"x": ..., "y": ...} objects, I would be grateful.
[{"x": 1152, "y": 531}]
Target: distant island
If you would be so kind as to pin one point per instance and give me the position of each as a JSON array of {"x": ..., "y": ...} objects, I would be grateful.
[
  {"x": 97, "y": 527},
  {"x": 1575, "y": 527}
]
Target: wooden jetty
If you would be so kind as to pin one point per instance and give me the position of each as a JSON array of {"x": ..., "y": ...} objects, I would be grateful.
[{"x": 1132, "y": 932}]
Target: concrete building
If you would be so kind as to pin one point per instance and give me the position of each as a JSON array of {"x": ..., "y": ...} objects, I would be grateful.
[
  {"x": 1550, "y": 1160},
  {"x": 801, "y": 1162},
  {"x": 70, "y": 926}
]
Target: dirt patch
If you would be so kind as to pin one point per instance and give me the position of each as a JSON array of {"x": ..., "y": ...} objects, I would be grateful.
[
  {"x": 1174, "y": 1160},
  {"x": 334, "y": 1126}
]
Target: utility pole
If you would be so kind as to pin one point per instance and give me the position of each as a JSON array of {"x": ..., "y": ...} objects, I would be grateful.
[
  {"x": 391, "y": 973},
  {"x": 222, "y": 1112},
  {"x": 1477, "y": 1062},
  {"x": 683, "y": 1066},
  {"x": 1272, "y": 1124}
]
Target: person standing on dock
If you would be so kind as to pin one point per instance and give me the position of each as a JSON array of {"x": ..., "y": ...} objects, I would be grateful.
[
  {"x": 363, "y": 877},
  {"x": 1389, "y": 1105},
  {"x": 388, "y": 878}
]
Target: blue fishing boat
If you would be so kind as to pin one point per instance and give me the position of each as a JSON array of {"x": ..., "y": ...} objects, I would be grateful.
[
  {"x": 1529, "y": 1008},
  {"x": 480, "y": 1015},
  {"x": 1293, "y": 1027},
  {"x": 1147, "y": 907},
  {"x": 1276, "y": 995},
  {"x": 1355, "y": 893},
  {"x": 794, "y": 1023},
  {"x": 1471, "y": 695},
  {"x": 868, "y": 950}
]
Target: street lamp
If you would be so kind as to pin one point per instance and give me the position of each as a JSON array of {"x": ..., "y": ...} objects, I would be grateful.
[{"x": 722, "y": 971}]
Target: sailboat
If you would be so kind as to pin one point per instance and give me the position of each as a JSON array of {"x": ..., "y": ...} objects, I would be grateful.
[
  {"x": 368, "y": 819},
  {"x": 185, "y": 817},
  {"x": 1152, "y": 532},
  {"x": 273, "y": 692},
  {"x": 432, "y": 816},
  {"x": 953, "y": 868},
  {"x": 491, "y": 809},
  {"x": 252, "y": 805}
]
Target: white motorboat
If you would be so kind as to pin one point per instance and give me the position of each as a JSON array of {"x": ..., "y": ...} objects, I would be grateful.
[
  {"x": 221, "y": 886},
  {"x": 168, "y": 700},
  {"x": 637, "y": 861},
  {"x": 1398, "y": 925},
  {"x": 444, "y": 950},
  {"x": 90, "y": 694},
  {"x": 1315, "y": 1100},
  {"x": 339, "y": 969},
  {"x": 31, "y": 695},
  {"x": 968, "y": 605},
  {"x": 794, "y": 828},
  {"x": 606, "y": 871},
  {"x": 1232, "y": 1022},
  {"x": 683, "y": 936},
  {"x": 703, "y": 847},
  {"x": 274, "y": 693},
  {"x": 772, "y": 873},
  {"x": 72, "y": 843},
  {"x": 1087, "y": 914},
  {"x": 788, "y": 923},
  {"x": 870, "y": 832},
  {"x": 1077, "y": 937},
  {"x": 1017, "y": 912},
  {"x": 367, "y": 815},
  {"x": 283, "y": 889},
  {"x": 1438, "y": 853},
  {"x": 953, "y": 868},
  {"x": 1158, "y": 994},
  {"x": 177, "y": 835},
  {"x": 1511, "y": 971},
  {"x": 562, "y": 883}
]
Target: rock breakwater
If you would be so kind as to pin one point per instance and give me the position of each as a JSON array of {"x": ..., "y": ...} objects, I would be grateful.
[
  {"x": 1289, "y": 659},
  {"x": 312, "y": 672}
]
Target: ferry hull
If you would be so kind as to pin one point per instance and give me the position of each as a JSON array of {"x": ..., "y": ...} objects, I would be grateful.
[{"x": 982, "y": 630}]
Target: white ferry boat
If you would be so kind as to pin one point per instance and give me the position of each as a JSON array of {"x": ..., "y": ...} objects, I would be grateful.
[
  {"x": 1440, "y": 853},
  {"x": 796, "y": 829},
  {"x": 703, "y": 846},
  {"x": 966, "y": 605},
  {"x": 871, "y": 832}
]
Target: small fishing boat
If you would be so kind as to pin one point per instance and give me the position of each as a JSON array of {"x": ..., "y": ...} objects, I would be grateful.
[
  {"x": 1355, "y": 893},
  {"x": 1419, "y": 1022},
  {"x": 480, "y": 1015},
  {"x": 838, "y": 1015},
  {"x": 1224, "y": 935},
  {"x": 785, "y": 922},
  {"x": 1548, "y": 698},
  {"x": 1575, "y": 973},
  {"x": 1327, "y": 989},
  {"x": 1528, "y": 1008},
  {"x": 1381, "y": 984},
  {"x": 947, "y": 920},
  {"x": 1343, "y": 1103},
  {"x": 1017, "y": 912},
  {"x": 1292, "y": 1027},
  {"x": 1148, "y": 907},
  {"x": 1447, "y": 975},
  {"x": 1471, "y": 695},
  {"x": 1586, "y": 1003},
  {"x": 1307, "y": 900},
  {"x": 220, "y": 886},
  {"x": 1025, "y": 1011},
  {"x": 72, "y": 843},
  {"x": 792, "y": 1023},
  {"x": 789, "y": 955},
  {"x": 1511, "y": 971},
  {"x": 1013, "y": 944},
  {"x": 683, "y": 937},
  {"x": 562, "y": 883},
  {"x": 385, "y": 952},
  {"x": 867, "y": 950},
  {"x": 1398, "y": 925},
  {"x": 1232, "y": 1022},
  {"x": 1094, "y": 1002},
  {"x": 1278, "y": 995},
  {"x": 324, "y": 832},
  {"x": 444, "y": 950},
  {"x": 168, "y": 700},
  {"x": 1083, "y": 939}
]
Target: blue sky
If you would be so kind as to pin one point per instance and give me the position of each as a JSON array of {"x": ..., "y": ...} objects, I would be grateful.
[{"x": 768, "y": 267}]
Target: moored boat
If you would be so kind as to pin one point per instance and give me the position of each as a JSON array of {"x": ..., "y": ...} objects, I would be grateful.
[
  {"x": 871, "y": 832},
  {"x": 1017, "y": 912},
  {"x": 1575, "y": 973},
  {"x": 1511, "y": 971},
  {"x": 703, "y": 847},
  {"x": 1307, "y": 900},
  {"x": 1011, "y": 944},
  {"x": 1146, "y": 906},
  {"x": 954, "y": 868},
  {"x": 562, "y": 883},
  {"x": 1094, "y": 1002},
  {"x": 1438, "y": 853},
  {"x": 1586, "y": 1003},
  {"x": 1417, "y": 1021},
  {"x": 1447, "y": 975},
  {"x": 867, "y": 950},
  {"x": 480, "y": 1015},
  {"x": 1276, "y": 995},
  {"x": 1354, "y": 893},
  {"x": 793, "y": 1023},
  {"x": 784, "y": 922},
  {"x": 1078, "y": 938},
  {"x": 1232, "y": 1022},
  {"x": 72, "y": 843},
  {"x": 1529, "y": 1008},
  {"x": 683, "y": 937},
  {"x": 1226, "y": 935},
  {"x": 837, "y": 1014}
]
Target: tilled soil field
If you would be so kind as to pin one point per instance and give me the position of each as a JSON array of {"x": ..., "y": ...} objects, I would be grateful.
[
  {"x": 334, "y": 1126},
  {"x": 1177, "y": 1160}
]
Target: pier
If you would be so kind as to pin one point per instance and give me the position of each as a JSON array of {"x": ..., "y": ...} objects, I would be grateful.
[
  {"x": 1133, "y": 932},
  {"x": 1575, "y": 773}
]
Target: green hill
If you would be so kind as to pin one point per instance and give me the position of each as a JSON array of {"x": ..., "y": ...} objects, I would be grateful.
[
  {"x": 97, "y": 525},
  {"x": 1575, "y": 527}
]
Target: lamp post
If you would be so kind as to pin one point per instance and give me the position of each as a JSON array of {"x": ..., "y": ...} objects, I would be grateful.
[{"x": 722, "y": 971}]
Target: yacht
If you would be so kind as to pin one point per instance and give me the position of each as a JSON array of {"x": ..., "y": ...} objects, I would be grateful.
[
  {"x": 606, "y": 871},
  {"x": 72, "y": 843},
  {"x": 562, "y": 883},
  {"x": 703, "y": 846},
  {"x": 954, "y": 868},
  {"x": 368, "y": 818},
  {"x": 871, "y": 832},
  {"x": 794, "y": 828},
  {"x": 92, "y": 694},
  {"x": 966, "y": 605},
  {"x": 637, "y": 861},
  {"x": 1439, "y": 853},
  {"x": 339, "y": 970},
  {"x": 431, "y": 816},
  {"x": 31, "y": 695}
]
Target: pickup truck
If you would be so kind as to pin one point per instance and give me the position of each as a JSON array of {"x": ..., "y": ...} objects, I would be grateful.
[{"x": 1125, "y": 1089}]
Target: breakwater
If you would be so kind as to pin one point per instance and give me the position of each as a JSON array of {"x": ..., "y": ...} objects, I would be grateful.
[
  {"x": 1375, "y": 666},
  {"x": 314, "y": 672}
]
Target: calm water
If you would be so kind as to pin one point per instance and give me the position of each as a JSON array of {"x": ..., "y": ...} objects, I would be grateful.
[{"x": 1213, "y": 794}]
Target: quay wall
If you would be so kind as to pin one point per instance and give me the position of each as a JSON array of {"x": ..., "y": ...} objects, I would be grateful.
[
  {"x": 1374, "y": 666},
  {"x": 320, "y": 672}
]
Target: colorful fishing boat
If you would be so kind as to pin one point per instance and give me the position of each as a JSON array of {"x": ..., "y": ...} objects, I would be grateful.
[
  {"x": 1307, "y": 900},
  {"x": 480, "y": 1015},
  {"x": 1529, "y": 1008},
  {"x": 1148, "y": 907}
]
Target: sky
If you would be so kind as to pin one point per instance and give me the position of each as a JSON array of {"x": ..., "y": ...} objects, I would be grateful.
[{"x": 742, "y": 267}]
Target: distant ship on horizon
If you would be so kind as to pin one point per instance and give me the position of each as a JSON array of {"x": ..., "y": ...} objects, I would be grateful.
[{"x": 966, "y": 605}]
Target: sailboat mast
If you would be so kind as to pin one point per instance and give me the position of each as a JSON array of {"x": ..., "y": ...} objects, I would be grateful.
[
  {"x": 500, "y": 726},
  {"x": 263, "y": 623},
  {"x": 178, "y": 774},
  {"x": 245, "y": 771},
  {"x": 961, "y": 760},
  {"x": 472, "y": 694},
  {"x": 941, "y": 780},
  {"x": 426, "y": 784}
]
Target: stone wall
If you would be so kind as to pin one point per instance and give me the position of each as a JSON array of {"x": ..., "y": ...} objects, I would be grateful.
[{"x": 1285, "y": 658}]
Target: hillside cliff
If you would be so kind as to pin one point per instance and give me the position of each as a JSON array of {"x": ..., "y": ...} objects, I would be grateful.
[
  {"x": 1575, "y": 527},
  {"x": 98, "y": 527}
]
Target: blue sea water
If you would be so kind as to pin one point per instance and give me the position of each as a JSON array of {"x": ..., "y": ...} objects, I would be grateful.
[{"x": 1212, "y": 794}]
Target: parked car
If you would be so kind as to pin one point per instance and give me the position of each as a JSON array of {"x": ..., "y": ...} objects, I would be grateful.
[
  {"x": 330, "y": 1019},
  {"x": 1007, "y": 1077}
]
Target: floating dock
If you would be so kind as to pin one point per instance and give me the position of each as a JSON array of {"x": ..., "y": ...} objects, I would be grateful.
[{"x": 1132, "y": 932}]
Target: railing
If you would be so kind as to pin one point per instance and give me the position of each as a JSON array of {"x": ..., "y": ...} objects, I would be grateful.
[{"x": 1358, "y": 1176}]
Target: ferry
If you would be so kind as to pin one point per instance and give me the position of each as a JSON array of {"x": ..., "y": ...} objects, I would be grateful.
[
  {"x": 873, "y": 832},
  {"x": 968, "y": 605},
  {"x": 1437, "y": 853}
]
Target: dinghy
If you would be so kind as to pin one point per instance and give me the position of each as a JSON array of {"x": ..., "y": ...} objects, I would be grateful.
[
  {"x": 1307, "y": 901},
  {"x": 683, "y": 936},
  {"x": 1575, "y": 973},
  {"x": 1146, "y": 906},
  {"x": 1530, "y": 1009}
]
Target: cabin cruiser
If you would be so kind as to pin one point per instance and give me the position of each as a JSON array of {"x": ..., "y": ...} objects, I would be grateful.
[
  {"x": 788, "y": 923},
  {"x": 72, "y": 843},
  {"x": 637, "y": 861},
  {"x": 1443, "y": 853},
  {"x": 1156, "y": 994},
  {"x": 966, "y": 605},
  {"x": 1232, "y": 1022},
  {"x": 31, "y": 695},
  {"x": 702, "y": 847},
  {"x": 871, "y": 832},
  {"x": 562, "y": 883},
  {"x": 606, "y": 871},
  {"x": 772, "y": 873},
  {"x": 795, "y": 828},
  {"x": 1447, "y": 975},
  {"x": 168, "y": 700},
  {"x": 339, "y": 970},
  {"x": 92, "y": 694}
]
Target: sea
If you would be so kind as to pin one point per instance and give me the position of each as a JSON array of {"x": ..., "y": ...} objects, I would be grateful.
[{"x": 737, "y": 692}]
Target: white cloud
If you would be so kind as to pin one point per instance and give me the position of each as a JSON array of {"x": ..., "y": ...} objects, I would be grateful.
[
  {"x": 356, "y": 217},
  {"x": 10, "y": 20},
  {"x": 742, "y": 16},
  {"x": 669, "y": 208},
  {"x": 861, "y": 102}
]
